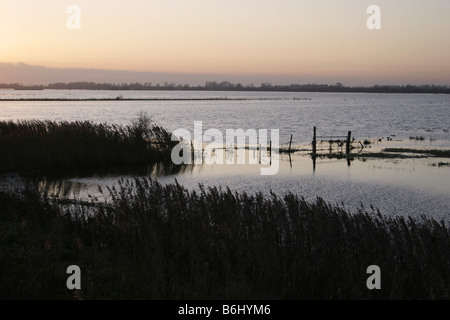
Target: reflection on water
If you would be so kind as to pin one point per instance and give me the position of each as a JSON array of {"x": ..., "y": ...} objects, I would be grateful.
[
  {"x": 395, "y": 186},
  {"x": 64, "y": 185}
]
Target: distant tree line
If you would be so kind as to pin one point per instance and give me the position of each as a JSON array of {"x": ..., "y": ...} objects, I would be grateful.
[{"x": 228, "y": 86}]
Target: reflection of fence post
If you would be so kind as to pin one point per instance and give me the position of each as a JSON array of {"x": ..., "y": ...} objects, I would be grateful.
[
  {"x": 259, "y": 153},
  {"x": 314, "y": 142},
  {"x": 349, "y": 136}
]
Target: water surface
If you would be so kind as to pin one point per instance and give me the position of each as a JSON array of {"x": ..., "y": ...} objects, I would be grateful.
[{"x": 394, "y": 186}]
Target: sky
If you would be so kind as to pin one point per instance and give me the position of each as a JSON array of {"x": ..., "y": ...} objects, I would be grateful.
[{"x": 278, "y": 41}]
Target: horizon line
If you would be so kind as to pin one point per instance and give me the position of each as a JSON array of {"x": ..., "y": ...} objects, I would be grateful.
[{"x": 34, "y": 75}]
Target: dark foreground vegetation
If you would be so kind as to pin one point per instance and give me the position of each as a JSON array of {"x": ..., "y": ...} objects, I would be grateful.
[
  {"x": 150, "y": 241},
  {"x": 37, "y": 146}
]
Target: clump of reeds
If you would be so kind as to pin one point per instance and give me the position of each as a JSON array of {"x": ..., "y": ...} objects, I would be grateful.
[
  {"x": 164, "y": 242},
  {"x": 35, "y": 145}
]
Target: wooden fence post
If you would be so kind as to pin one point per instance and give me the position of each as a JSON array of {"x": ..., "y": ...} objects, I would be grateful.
[
  {"x": 290, "y": 143},
  {"x": 314, "y": 142},
  {"x": 270, "y": 149},
  {"x": 349, "y": 136}
]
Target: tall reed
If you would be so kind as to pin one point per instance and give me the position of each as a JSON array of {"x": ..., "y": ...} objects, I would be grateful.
[
  {"x": 151, "y": 241},
  {"x": 35, "y": 145}
]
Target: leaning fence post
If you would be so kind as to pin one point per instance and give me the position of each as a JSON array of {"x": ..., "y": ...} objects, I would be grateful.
[{"x": 290, "y": 143}]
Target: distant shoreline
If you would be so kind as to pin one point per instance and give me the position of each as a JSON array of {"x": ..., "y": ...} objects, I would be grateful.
[
  {"x": 140, "y": 99},
  {"x": 120, "y": 98},
  {"x": 227, "y": 86}
]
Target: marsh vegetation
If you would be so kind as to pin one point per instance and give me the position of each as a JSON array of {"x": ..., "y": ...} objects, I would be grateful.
[
  {"x": 48, "y": 146},
  {"x": 150, "y": 241}
]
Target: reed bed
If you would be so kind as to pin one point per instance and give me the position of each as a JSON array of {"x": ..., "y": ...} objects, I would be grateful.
[
  {"x": 46, "y": 146},
  {"x": 153, "y": 241}
]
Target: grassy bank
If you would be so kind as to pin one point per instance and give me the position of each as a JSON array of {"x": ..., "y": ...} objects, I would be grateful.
[
  {"x": 428, "y": 152},
  {"x": 164, "y": 242},
  {"x": 389, "y": 153},
  {"x": 46, "y": 146}
]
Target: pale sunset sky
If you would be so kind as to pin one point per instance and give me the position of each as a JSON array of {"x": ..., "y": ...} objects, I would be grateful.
[{"x": 282, "y": 41}]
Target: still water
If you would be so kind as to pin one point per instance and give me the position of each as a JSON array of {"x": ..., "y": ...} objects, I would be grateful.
[{"x": 394, "y": 186}]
